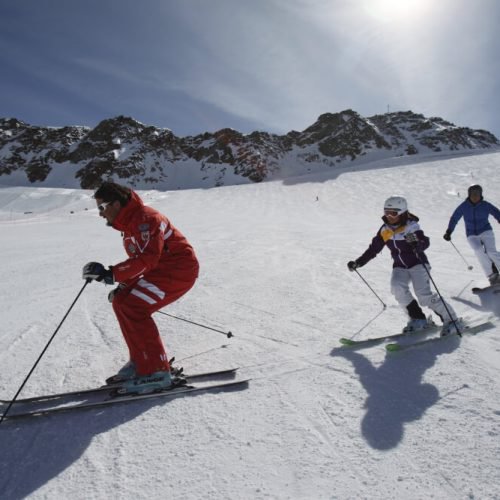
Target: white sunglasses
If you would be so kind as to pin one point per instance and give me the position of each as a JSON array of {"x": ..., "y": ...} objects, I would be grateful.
[{"x": 103, "y": 206}]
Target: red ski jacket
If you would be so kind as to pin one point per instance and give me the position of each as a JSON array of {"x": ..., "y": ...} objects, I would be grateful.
[{"x": 154, "y": 246}]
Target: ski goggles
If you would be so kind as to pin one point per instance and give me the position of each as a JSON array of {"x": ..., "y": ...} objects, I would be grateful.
[
  {"x": 103, "y": 206},
  {"x": 391, "y": 213}
]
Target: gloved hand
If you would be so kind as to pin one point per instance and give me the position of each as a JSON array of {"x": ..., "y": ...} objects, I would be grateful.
[
  {"x": 412, "y": 239},
  {"x": 352, "y": 265},
  {"x": 114, "y": 292},
  {"x": 96, "y": 271},
  {"x": 447, "y": 235}
]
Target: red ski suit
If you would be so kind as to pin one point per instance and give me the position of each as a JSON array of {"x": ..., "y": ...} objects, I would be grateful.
[{"x": 161, "y": 267}]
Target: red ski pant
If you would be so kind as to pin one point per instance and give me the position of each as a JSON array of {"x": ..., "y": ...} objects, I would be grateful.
[{"x": 134, "y": 306}]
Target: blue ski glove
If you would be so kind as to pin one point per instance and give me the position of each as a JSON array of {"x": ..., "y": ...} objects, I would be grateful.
[{"x": 96, "y": 271}]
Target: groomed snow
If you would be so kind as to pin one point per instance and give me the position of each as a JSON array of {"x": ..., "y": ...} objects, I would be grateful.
[{"x": 316, "y": 421}]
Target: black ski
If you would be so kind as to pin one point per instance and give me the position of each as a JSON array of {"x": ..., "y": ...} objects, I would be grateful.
[
  {"x": 178, "y": 391},
  {"x": 230, "y": 372}
]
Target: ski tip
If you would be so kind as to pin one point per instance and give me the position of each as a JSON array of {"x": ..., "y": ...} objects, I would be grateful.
[
  {"x": 345, "y": 341},
  {"x": 392, "y": 347}
]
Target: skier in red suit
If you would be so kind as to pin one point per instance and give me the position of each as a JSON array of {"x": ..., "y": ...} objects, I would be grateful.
[{"x": 161, "y": 267}]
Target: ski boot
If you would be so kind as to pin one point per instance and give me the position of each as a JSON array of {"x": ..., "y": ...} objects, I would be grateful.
[
  {"x": 416, "y": 325},
  {"x": 145, "y": 384},
  {"x": 452, "y": 327},
  {"x": 126, "y": 372}
]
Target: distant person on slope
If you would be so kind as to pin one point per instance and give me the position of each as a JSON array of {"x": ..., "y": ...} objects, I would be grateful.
[
  {"x": 161, "y": 267},
  {"x": 475, "y": 211},
  {"x": 407, "y": 242}
]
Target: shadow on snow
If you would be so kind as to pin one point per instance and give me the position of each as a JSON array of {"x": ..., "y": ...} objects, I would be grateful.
[
  {"x": 396, "y": 392},
  {"x": 35, "y": 451}
]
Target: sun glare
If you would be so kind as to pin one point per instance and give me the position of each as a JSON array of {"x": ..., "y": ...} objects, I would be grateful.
[{"x": 395, "y": 10}]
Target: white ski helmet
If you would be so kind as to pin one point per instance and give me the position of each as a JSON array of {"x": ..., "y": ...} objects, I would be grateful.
[{"x": 396, "y": 203}]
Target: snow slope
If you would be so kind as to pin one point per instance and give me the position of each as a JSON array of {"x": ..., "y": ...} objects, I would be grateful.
[{"x": 317, "y": 421}]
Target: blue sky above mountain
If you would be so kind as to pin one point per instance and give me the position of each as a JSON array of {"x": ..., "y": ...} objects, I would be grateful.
[{"x": 270, "y": 65}]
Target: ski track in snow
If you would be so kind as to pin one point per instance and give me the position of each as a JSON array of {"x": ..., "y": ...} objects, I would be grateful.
[{"x": 317, "y": 421}]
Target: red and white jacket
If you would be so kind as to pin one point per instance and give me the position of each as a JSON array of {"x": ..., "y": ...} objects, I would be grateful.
[{"x": 155, "y": 248}]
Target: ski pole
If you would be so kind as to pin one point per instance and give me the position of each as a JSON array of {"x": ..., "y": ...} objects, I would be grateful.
[
  {"x": 227, "y": 334},
  {"x": 366, "y": 283},
  {"x": 43, "y": 352},
  {"x": 463, "y": 258},
  {"x": 438, "y": 292}
]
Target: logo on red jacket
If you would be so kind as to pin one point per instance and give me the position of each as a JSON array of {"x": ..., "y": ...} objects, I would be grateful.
[{"x": 144, "y": 229}]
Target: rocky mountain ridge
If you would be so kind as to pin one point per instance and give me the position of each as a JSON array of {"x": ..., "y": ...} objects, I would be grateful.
[{"x": 147, "y": 157}]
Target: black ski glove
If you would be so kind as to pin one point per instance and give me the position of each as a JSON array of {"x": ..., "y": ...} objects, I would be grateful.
[
  {"x": 352, "y": 265},
  {"x": 96, "y": 271},
  {"x": 114, "y": 292},
  {"x": 412, "y": 240},
  {"x": 447, "y": 235}
]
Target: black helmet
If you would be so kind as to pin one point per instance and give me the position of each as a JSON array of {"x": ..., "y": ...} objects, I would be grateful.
[{"x": 475, "y": 188}]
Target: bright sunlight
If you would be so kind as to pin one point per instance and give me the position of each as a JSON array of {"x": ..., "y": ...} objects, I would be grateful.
[{"x": 395, "y": 10}]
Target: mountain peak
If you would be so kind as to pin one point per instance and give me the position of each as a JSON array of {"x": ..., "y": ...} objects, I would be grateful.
[{"x": 125, "y": 149}]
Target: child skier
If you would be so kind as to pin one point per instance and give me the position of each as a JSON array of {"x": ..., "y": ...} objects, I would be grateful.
[
  {"x": 407, "y": 242},
  {"x": 475, "y": 211}
]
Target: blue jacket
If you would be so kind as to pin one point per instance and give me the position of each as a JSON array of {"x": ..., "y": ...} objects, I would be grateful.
[
  {"x": 475, "y": 217},
  {"x": 402, "y": 253}
]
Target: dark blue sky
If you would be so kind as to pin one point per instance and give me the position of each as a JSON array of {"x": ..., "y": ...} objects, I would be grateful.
[{"x": 275, "y": 65}]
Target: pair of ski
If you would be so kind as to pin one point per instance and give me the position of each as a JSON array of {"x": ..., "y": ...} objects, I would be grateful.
[
  {"x": 415, "y": 339},
  {"x": 109, "y": 390}
]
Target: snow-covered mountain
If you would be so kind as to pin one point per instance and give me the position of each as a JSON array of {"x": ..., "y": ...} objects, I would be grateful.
[
  {"x": 317, "y": 421},
  {"x": 151, "y": 158}
]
